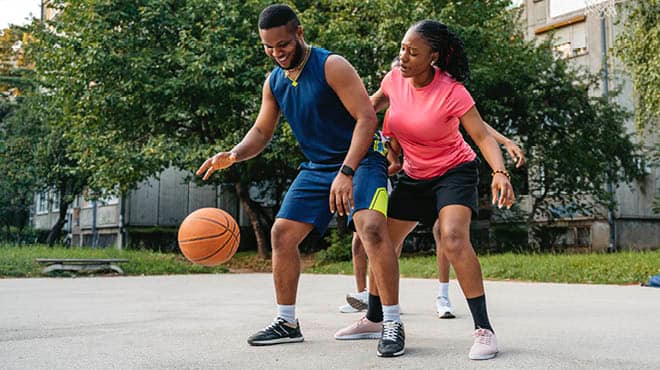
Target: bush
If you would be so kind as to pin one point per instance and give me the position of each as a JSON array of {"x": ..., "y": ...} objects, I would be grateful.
[
  {"x": 508, "y": 237},
  {"x": 339, "y": 247},
  {"x": 27, "y": 235}
]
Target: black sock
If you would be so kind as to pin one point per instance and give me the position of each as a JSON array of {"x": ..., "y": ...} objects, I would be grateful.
[
  {"x": 479, "y": 313},
  {"x": 375, "y": 309}
]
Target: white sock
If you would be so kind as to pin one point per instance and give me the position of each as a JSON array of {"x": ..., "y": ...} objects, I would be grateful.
[
  {"x": 443, "y": 290},
  {"x": 391, "y": 313},
  {"x": 287, "y": 312}
]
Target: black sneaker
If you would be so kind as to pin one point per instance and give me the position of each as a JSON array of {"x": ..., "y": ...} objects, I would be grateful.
[
  {"x": 392, "y": 342},
  {"x": 279, "y": 331}
]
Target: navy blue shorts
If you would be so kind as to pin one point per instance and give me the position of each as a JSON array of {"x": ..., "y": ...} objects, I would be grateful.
[{"x": 308, "y": 198}]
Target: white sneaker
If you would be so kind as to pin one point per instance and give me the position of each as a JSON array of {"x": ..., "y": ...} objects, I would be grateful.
[
  {"x": 359, "y": 301},
  {"x": 443, "y": 308},
  {"x": 347, "y": 308},
  {"x": 485, "y": 345}
]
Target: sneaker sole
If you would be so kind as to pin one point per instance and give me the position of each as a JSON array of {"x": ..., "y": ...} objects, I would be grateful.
[
  {"x": 395, "y": 354},
  {"x": 356, "y": 303},
  {"x": 276, "y": 341},
  {"x": 446, "y": 315},
  {"x": 352, "y": 310},
  {"x": 483, "y": 357},
  {"x": 360, "y": 336}
]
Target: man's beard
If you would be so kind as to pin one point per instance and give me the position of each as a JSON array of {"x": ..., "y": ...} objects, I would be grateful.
[{"x": 297, "y": 57}]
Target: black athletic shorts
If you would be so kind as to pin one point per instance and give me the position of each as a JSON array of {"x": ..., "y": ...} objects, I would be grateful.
[{"x": 422, "y": 200}]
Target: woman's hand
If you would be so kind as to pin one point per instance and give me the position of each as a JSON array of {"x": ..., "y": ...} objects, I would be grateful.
[
  {"x": 515, "y": 152},
  {"x": 394, "y": 168},
  {"x": 502, "y": 190}
]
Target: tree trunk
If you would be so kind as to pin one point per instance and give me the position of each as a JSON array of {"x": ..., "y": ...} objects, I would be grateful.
[
  {"x": 55, "y": 231},
  {"x": 248, "y": 206}
]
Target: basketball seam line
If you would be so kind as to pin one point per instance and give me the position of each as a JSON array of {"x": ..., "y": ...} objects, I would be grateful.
[
  {"x": 206, "y": 237},
  {"x": 223, "y": 246},
  {"x": 212, "y": 220}
]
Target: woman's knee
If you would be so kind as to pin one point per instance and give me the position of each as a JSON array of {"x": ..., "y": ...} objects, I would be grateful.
[
  {"x": 454, "y": 240},
  {"x": 437, "y": 230}
]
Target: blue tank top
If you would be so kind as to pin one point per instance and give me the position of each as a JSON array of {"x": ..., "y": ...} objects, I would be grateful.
[{"x": 318, "y": 119}]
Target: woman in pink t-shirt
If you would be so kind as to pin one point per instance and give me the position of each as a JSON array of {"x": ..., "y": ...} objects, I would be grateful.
[{"x": 427, "y": 102}]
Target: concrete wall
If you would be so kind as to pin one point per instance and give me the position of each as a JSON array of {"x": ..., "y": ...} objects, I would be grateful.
[
  {"x": 163, "y": 201},
  {"x": 638, "y": 234}
]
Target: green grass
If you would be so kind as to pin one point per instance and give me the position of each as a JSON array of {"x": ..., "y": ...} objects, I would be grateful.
[
  {"x": 614, "y": 268},
  {"x": 596, "y": 268},
  {"x": 19, "y": 261}
]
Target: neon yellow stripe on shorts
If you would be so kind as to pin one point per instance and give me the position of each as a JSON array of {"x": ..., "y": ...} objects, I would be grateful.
[{"x": 379, "y": 201}]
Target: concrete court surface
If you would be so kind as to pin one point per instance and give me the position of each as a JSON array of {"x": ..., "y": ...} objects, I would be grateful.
[{"x": 202, "y": 322}]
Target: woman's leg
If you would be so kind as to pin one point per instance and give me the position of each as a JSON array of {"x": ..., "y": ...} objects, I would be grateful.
[
  {"x": 359, "y": 263},
  {"x": 455, "y": 243}
]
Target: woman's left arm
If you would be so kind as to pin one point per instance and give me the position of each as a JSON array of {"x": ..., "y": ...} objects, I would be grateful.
[{"x": 501, "y": 186}]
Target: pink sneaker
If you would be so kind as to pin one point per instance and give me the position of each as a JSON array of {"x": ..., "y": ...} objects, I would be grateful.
[
  {"x": 362, "y": 329},
  {"x": 485, "y": 345}
]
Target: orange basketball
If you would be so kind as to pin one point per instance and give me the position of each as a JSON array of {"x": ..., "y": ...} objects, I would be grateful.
[{"x": 209, "y": 236}]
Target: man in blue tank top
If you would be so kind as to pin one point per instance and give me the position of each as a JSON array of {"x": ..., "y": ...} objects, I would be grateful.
[{"x": 332, "y": 118}]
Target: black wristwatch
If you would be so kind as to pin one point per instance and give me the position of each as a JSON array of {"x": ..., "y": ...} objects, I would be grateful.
[{"x": 347, "y": 170}]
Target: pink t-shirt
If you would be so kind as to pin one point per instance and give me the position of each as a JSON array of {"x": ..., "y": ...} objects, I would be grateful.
[{"x": 425, "y": 122}]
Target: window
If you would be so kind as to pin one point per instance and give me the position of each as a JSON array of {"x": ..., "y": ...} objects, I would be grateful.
[
  {"x": 571, "y": 41},
  {"x": 55, "y": 202},
  {"x": 42, "y": 203}
]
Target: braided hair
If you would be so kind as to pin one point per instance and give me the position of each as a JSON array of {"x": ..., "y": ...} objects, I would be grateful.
[{"x": 450, "y": 47}]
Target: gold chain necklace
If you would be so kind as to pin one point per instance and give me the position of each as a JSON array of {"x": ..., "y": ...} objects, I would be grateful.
[{"x": 299, "y": 68}]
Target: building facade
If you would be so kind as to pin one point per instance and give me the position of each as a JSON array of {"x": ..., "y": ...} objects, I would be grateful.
[{"x": 585, "y": 40}]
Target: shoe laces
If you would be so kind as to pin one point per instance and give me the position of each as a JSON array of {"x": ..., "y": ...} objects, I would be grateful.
[
  {"x": 391, "y": 330},
  {"x": 277, "y": 322},
  {"x": 444, "y": 301},
  {"x": 483, "y": 336}
]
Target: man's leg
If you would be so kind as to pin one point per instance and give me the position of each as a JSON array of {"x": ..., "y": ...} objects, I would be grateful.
[
  {"x": 371, "y": 226},
  {"x": 398, "y": 231},
  {"x": 286, "y": 236},
  {"x": 442, "y": 303},
  {"x": 454, "y": 222}
]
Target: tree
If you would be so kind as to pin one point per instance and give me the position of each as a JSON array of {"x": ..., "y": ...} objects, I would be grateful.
[
  {"x": 35, "y": 152},
  {"x": 19, "y": 180},
  {"x": 145, "y": 84},
  {"x": 638, "y": 46},
  {"x": 17, "y": 137}
]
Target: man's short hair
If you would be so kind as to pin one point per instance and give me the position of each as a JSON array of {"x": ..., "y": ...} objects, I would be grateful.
[{"x": 277, "y": 15}]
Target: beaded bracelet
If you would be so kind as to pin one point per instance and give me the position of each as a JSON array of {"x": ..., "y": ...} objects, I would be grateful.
[{"x": 503, "y": 172}]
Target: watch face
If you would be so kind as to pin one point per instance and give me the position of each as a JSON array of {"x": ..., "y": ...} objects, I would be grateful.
[{"x": 347, "y": 170}]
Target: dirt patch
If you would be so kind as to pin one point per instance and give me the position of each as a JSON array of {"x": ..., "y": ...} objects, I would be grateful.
[{"x": 254, "y": 263}]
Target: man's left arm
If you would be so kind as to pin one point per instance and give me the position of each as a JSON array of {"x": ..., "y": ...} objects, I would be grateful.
[{"x": 348, "y": 86}]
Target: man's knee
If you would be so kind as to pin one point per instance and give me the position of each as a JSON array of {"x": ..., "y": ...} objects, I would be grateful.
[
  {"x": 281, "y": 237},
  {"x": 372, "y": 233}
]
